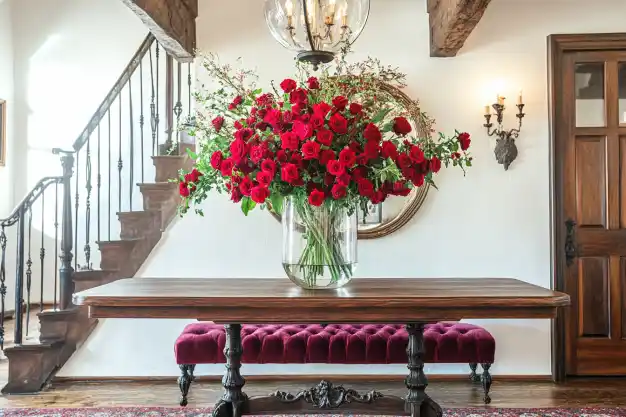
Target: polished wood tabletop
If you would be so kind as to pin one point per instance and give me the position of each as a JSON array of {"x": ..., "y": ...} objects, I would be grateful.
[{"x": 371, "y": 300}]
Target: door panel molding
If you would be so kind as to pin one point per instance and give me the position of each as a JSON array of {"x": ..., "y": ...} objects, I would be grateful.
[{"x": 560, "y": 49}]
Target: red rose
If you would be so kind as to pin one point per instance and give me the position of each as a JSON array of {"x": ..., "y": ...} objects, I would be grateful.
[
  {"x": 289, "y": 173},
  {"x": 244, "y": 134},
  {"x": 321, "y": 109},
  {"x": 389, "y": 150},
  {"x": 365, "y": 187},
  {"x": 269, "y": 166},
  {"x": 464, "y": 140},
  {"x": 378, "y": 197},
  {"x": 372, "y": 133},
  {"x": 340, "y": 103},
  {"x": 289, "y": 140},
  {"x": 238, "y": 125},
  {"x": 338, "y": 124},
  {"x": 317, "y": 121},
  {"x": 435, "y": 164},
  {"x": 347, "y": 157},
  {"x": 288, "y": 85},
  {"x": 272, "y": 117},
  {"x": 216, "y": 159},
  {"x": 399, "y": 188},
  {"x": 338, "y": 191},
  {"x": 257, "y": 153},
  {"x": 418, "y": 180},
  {"x": 316, "y": 198},
  {"x": 334, "y": 167},
  {"x": 264, "y": 99},
  {"x": 226, "y": 167},
  {"x": 236, "y": 102},
  {"x": 259, "y": 194},
  {"x": 305, "y": 118},
  {"x": 311, "y": 150},
  {"x": 235, "y": 195},
  {"x": 356, "y": 108},
  {"x": 313, "y": 83},
  {"x": 404, "y": 161},
  {"x": 245, "y": 186},
  {"x": 299, "y": 95},
  {"x": 416, "y": 154},
  {"x": 262, "y": 126},
  {"x": 302, "y": 130},
  {"x": 372, "y": 149},
  {"x": 296, "y": 110},
  {"x": 329, "y": 179},
  {"x": 326, "y": 155},
  {"x": 193, "y": 176},
  {"x": 324, "y": 137},
  {"x": 401, "y": 126},
  {"x": 281, "y": 157},
  {"x": 358, "y": 173},
  {"x": 183, "y": 190},
  {"x": 344, "y": 179},
  {"x": 264, "y": 178},
  {"x": 237, "y": 150},
  {"x": 217, "y": 123}
]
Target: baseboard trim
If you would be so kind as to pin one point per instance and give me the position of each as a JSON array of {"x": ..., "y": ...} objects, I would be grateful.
[{"x": 305, "y": 378}]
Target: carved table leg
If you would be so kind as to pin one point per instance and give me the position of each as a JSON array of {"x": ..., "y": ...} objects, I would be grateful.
[
  {"x": 234, "y": 400},
  {"x": 417, "y": 402}
]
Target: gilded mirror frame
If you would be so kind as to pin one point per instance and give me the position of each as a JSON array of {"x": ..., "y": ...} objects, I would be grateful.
[{"x": 417, "y": 196}]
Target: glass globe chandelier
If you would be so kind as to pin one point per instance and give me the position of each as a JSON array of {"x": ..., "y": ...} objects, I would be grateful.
[{"x": 316, "y": 29}]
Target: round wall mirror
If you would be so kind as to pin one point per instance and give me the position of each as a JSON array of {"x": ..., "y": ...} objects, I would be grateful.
[{"x": 396, "y": 211}]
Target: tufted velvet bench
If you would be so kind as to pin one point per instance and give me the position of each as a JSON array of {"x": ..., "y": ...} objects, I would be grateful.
[{"x": 446, "y": 342}]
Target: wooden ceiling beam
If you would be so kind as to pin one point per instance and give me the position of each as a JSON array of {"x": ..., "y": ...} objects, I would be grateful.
[
  {"x": 173, "y": 23},
  {"x": 451, "y": 22}
]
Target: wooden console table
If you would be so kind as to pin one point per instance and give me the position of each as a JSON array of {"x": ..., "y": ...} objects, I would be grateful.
[{"x": 236, "y": 301}]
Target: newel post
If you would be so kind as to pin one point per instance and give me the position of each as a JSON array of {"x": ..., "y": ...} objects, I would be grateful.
[{"x": 66, "y": 270}]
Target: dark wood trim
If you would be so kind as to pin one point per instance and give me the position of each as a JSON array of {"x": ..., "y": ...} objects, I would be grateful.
[
  {"x": 306, "y": 378},
  {"x": 558, "y": 46}
]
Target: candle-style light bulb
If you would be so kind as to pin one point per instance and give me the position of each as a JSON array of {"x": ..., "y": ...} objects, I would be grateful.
[
  {"x": 344, "y": 16},
  {"x": 519, "y": 98},
  {"x": 289, "y": 8},
  {"x": 487, "y": 109},
  {"x": 331, "y": 6}
]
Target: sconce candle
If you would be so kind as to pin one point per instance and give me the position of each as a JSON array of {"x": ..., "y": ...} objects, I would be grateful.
[
  {"x": 505, "y": 150},
  {"x": 487, "y": 110}
]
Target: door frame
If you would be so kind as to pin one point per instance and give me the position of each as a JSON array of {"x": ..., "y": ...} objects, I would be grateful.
[{"x": 558, "y": 46}]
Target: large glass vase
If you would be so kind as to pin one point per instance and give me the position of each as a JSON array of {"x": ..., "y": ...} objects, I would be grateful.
[{"x": 319, "y": 243}]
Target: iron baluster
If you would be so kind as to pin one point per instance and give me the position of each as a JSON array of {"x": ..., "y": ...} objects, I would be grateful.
[
  {"x": 189, "y": 89},
  {"x": 3, "y": 287},
  {"x": 42, "y": 251},
  {"x": 56, "y": 244},
  {"x": 178, "y": 108},
  {"x": 29, "y": 264},
  {"x": 153, "y": 120},
  {"x": 169, "y": 104},
  {"x": 156, "y": 118},
  {"x": 87, "y": 247},
  {"x": 76, "y": 212},
  {"x": 19, "y": 278},
  {"x": 99, "y": 182},
  {"x": 141, "y": 119},
  {"x": 66, "y": 271},
  {"x": 132, "y": 146},
  {"x": 120, "y": 164}
]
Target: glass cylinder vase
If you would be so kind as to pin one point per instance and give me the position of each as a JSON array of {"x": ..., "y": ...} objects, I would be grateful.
[{"x": 319, "y": 243}]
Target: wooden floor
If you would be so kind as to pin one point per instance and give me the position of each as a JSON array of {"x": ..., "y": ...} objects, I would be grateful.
[{"x": 578, "y": 393}]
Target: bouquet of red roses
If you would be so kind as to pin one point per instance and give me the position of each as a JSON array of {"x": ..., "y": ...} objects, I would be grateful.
[{"x": 336, "y": 141}]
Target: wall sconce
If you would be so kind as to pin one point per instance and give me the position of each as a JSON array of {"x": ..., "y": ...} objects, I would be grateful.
[{"x": 505, "y": 150}]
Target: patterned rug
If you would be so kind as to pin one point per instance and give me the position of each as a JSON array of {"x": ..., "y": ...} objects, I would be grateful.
[{"x": 204, "y": 412}]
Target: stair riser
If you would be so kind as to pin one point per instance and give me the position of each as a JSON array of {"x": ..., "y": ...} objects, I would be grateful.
[
  {"x": 114, "y": 257},
  {"x": 139, "y": 225},
  {"x": 167, "y": 169}
]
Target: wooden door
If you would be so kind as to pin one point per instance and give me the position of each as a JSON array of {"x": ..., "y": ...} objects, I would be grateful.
[{"x": 592, "y": 160}]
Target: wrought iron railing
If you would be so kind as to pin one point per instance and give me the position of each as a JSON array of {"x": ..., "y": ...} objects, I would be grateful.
[{"x": 69, "y": 214}]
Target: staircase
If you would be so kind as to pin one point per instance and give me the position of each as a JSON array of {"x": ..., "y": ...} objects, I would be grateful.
[{"x": 101, "y": 201}]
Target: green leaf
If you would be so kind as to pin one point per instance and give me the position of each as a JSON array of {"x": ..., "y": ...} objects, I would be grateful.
[
  {"x": 380, "y": 116},
  {"x": 191, "y": 154},
  {"x": 468, "y": 163},
  {"x": 277, "y": 203},
  {"x": 247, "y": 205},
  {"x": 387, "y": 127},
  {"x": 257, "y": 91},
  {"x": 455, "y": 146},
  {"x": 287, "y": 105}
]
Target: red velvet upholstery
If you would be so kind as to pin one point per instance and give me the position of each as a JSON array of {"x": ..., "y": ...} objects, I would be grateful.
[{"x": 341, "y": 344}]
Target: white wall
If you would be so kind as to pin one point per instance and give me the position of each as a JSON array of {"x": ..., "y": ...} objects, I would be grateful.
[
  {"x": 490, "y": 224},
  {"x": 6, "y": 93}
]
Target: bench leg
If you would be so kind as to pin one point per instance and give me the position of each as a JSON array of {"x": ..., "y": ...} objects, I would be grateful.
[
  {"x": 485, "y": 378},
  {"x": 184, "y": 382},
  {"x": 474, "y": 377}
]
